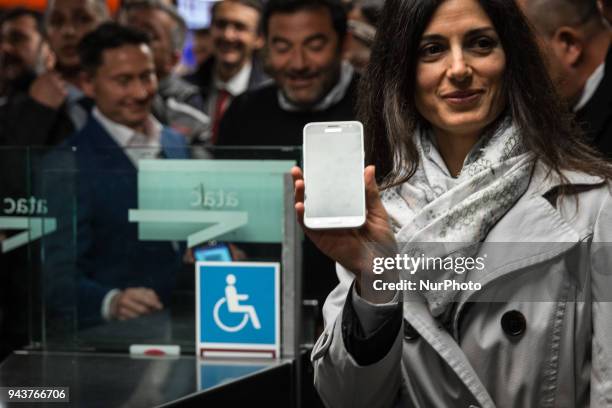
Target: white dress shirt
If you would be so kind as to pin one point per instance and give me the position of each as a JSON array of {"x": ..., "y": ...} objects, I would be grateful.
[
  {"x": 137, "y": 146},
  {"x": 236, "y": 85},
  {"x": 591, "y": 86}
]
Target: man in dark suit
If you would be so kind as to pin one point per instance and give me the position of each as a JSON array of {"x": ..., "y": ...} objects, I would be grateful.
[
  {"x": 117, "y": 275},
  {"x": 576, "y": 40},
  {"x": 233, "y": 68}
]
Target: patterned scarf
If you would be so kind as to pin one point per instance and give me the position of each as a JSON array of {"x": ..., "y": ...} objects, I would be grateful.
[{"x": 434, "y": 207}]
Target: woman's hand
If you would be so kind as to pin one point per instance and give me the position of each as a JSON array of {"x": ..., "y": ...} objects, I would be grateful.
[{"x": 356, "y": 248}]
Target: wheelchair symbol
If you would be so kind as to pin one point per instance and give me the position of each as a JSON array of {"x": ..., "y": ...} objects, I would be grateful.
[{"x": 232, "y": 300}]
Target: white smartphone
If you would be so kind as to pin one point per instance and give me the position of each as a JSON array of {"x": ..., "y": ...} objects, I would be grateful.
[{"x": 333, "y": 175}]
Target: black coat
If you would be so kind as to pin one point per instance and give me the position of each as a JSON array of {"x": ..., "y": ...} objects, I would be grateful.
[
  {"x": 25, "y": 122},
  {"x": 256, "y": 118},
  {"x": 595, "y": 117}
]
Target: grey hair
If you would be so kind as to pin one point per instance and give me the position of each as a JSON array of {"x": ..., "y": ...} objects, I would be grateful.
[
  {"x": 101, "y": 8},
  {"x": 178, "y": 34},
  {"x": 549, "y": 15}
]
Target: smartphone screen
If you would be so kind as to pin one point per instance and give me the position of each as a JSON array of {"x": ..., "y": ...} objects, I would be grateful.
[{"x": 333, "y": 175}]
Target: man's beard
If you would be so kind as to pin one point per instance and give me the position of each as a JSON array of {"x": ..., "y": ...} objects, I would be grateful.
[
  {"x": 12, "y": 63},
  {"x": 331, "y": 76},
  {"x": 19, "y": 83}
]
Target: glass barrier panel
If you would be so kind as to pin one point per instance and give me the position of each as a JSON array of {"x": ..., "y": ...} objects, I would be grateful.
[
  {"x": 110, "y": 238},
  {"x": 24, "y": 222}
]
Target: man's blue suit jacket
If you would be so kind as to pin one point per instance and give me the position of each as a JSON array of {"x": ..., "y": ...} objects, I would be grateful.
[{"x": 108, "y": 252}]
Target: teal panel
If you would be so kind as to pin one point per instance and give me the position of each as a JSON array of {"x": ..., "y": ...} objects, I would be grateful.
[{"x": 201, "y": 200}]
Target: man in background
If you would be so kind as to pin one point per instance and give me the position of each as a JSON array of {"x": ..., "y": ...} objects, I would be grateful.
[
  {"x": 54, "y": 105},
  {"x": 575, "y": 41},
  {"x": 233, "y": 68},
  {"x": 23, "y": 51},
  {"x": 178, "y": 103},
  {"x": 305, "y": 40}
]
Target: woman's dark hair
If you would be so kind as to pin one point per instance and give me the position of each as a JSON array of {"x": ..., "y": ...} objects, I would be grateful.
[{"x": 390, "y": 117}]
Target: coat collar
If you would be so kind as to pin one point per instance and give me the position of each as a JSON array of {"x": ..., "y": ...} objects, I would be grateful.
[
  {"x": 543, "y": 180},
  {"x": 531, "y": 219}
]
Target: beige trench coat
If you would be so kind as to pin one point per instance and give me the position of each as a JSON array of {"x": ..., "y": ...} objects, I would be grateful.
[{"x": 564, "y": 356}]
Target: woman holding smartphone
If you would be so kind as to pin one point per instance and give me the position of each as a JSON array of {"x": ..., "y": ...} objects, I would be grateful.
[{"x": 470, "y": 145}]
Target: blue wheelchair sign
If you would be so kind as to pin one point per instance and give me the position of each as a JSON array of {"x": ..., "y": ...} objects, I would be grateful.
[{"x": 238, "y": 309}]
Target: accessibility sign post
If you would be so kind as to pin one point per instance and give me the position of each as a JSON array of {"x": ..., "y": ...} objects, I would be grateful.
[{"x": 238, "y": 309}]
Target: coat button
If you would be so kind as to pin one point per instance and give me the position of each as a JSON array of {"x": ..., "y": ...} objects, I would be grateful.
[
  {"x": 513, "y": 323},
  {"x": 409, "y": 332}
]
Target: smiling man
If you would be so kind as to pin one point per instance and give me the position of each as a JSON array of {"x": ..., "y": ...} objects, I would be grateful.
[
  {"x": 119, "y": 277},
  {"x": 121, "y": 80},
  {"x": 233, "y": 68}
]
